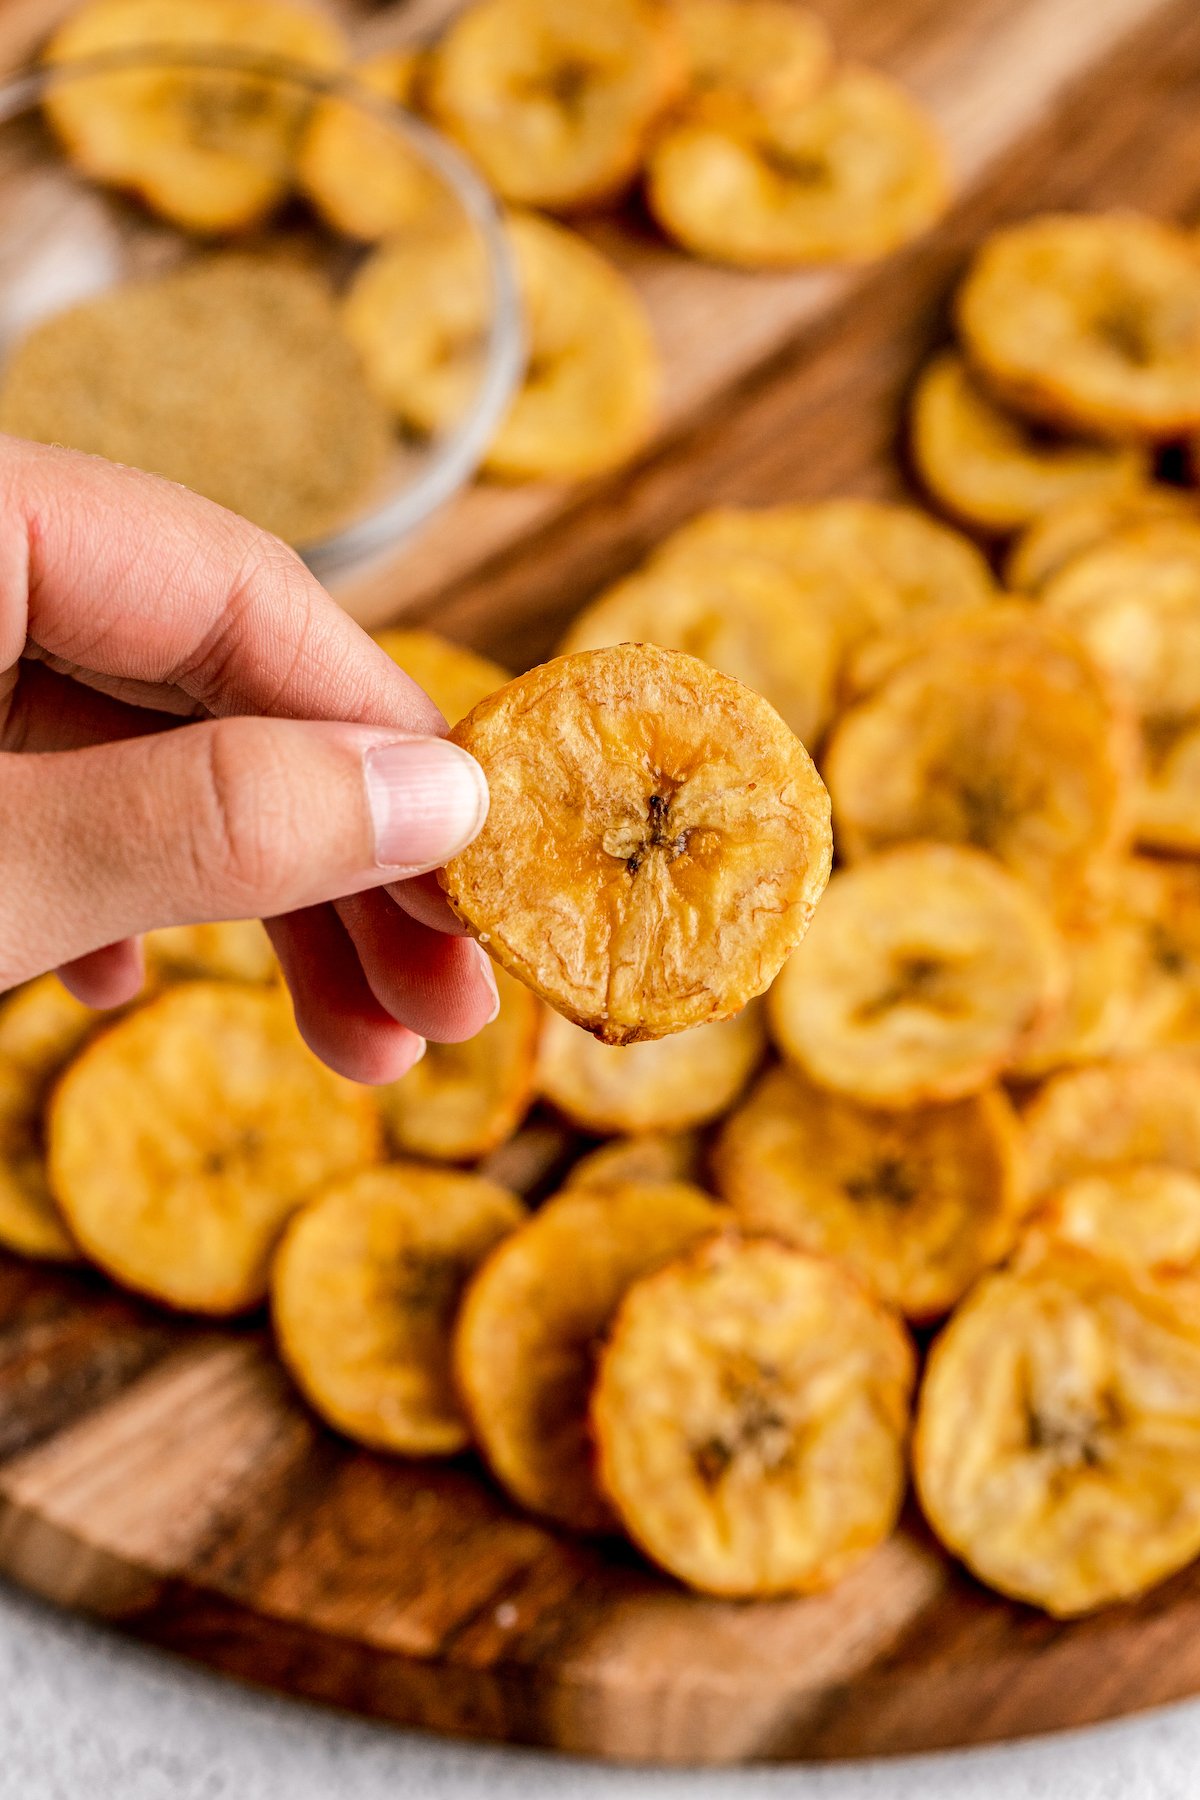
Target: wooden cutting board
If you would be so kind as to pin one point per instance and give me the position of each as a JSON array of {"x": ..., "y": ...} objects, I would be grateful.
[{"x": 164, "y": 1475}]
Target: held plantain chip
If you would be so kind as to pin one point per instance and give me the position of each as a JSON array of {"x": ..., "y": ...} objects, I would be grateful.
[
  {"x": 358, "y": 170},
  {"x": 182, "y": 1139},
  {"x": 652, "y": 1156},
  {"x": 1090, "y": 323},
  {"x": 1057, "y": 1446},
  {"x": 1144, "y": 1109},
  {"x": 554, "y": 100},
  {"x": 656, "y": 844},
  {"x": 455, "y": 678},
  {"x": 532, "y": 1322},
  {"x": 745, "y": 57},
  {"x": 665, "y": 1085},
  {"x": 463, "y": 1100},
  {"x": 924, "y": 975},
  {"x": 230, "y": 950},
  {"x": 750, "y": 1413},
  {"x": 743, "y": 615},
  {"x": 1065, "y": 531},
  {"x": 1145, "y": 1215},
  {"x": 918, "y": 1204},
  {"x": 365, "y": 1288},
  {"x": 991, "y": 469},
  {"x": 1000, "y": 732},
  {"x": 852, "y": 173},
  {"x": 210, "y": 149},
  {"x": 417, "y": 313}
]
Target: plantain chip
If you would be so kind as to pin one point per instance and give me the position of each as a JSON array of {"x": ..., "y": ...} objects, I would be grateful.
[
  {"x": 1089, "y": 322},
  {"x": 365, "y": 1287},
  {"x": 42, "y": 1027},
  {"x": 991, "y": 469},
  {"x": 651, "y": 1156},
  {"x": 1057, "y": 1446},
  {"x": 1168, "y": 800},
  {"x": 1162, "y": 904},
  {"x": 1065, "y": 531},
  {"x": 530, "y": 1327},
  {"x": 357, "y": 168},
  {"x": 1103, "y": 957},
  {"x": 455, "y": 678},
  {"x": 924, "y": 975},
  {"x": 656, "y": 843},
  {"x": 1144, "y": 1215},
  {"x": 918, "y": 1204},
  {"x": 181, "y": 1140},
  {"x": 463, "y": 1100},
  {"x": 750, "y": 1413},
  {"x": 745, "y": 57},
  {"x": 553, "y": 100},
  {"x": 848, "y": 175},
  {"x": 665, "y": 1085},
  {"x": 1143, "y": 1109},
  {"x": 230, "y": 950},
  {"x": 210, "y": 149}
]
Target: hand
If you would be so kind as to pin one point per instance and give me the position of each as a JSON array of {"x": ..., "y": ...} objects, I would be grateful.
[{"x": 191, "y": 729}]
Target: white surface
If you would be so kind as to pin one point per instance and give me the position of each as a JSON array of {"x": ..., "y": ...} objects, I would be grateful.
[{"x": 86, "y": 1716}]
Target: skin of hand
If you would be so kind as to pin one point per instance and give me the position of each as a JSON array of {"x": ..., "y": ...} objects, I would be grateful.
[{"x": 192, "y": 729}]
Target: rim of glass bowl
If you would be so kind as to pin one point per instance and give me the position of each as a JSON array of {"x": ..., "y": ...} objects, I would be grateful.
[{"x": 452, "y": 460}]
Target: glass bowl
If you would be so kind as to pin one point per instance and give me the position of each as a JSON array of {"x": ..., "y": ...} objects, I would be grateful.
[{"x": 66, "y": 238}]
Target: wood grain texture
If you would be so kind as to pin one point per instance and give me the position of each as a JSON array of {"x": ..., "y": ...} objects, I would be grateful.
[{"x": 166, "y": 1477}]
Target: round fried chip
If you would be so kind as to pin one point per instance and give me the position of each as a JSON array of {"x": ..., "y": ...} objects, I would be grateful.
[
  {"x": 209, "y": 149},
  {"x": 855, "y": 171},
  {"x": 1162, "y": 903},
  {"x": 417, "y": 312},
  {"x": 1090, "y": 322},
  {"x": 666, "y": 1085},
  {"x": 1057, "y": 1446},
  {"x": 229, "y": 950},
  {"x": 992, "y": 469},
  {"x": 462, "y": 1100},
  {"x": 656, "y": 843},
  {"x": 554, "y": 100},
  {"x": 1103, "y": 958},
  {"x": 749, "y": 56},
  {"x": 358, "y": 170},
  {"x": 530, "y": 1329},
  {"x": 922, "y": 978},
  {"x": 1145, "y": 1215},
  {"x": 652, "y": 1156},
  {"x": 42, "y": 1027},
  {"x": 1144, "y": 1109},
  {"x": 1063, "y": 532},
  {"x": 182, "y": 1139},
  {"x": 745, "y": 616},
  {"x": 455, "y": 678},
  {"x": 918, "y": 1204},
  {"x": 365, "y": 1288},
  {"x": 998, "y": 731},
  {"x": 1168, "y": 799},
  {"x": 750, "y": 1414}
]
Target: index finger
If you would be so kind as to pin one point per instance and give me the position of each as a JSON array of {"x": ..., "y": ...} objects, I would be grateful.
[{"x": 131, "y": 576}]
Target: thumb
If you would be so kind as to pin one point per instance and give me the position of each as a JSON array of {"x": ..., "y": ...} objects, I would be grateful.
[{"x": 236, "y": 818}]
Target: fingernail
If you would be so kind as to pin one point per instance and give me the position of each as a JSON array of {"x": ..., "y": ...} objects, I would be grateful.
[
  {"x": 489, "y": 975},
  {"x": 428, "y": 799}
]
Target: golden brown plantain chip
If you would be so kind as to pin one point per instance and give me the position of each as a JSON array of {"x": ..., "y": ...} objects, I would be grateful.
[
  {"x": 182, "y": 1139},
  {"x": 230, "y": 950},
  {"x": 656, "y": 843},
  {"x": 209, "y": 149},
  {"x": 417, "y": 313},
  {"x": 918, "y": 1204},
  {"x": 652, "y": 1156},
  {"x": 42, "y": 1027},
  {"x": 365, "y": 1288},
  {"x": 749, "y": 56},
  {"x": 1144, "y": 1109},
  {"x": 463, "y": 1100},
  {"x": 1168, "y": 799},
  {"x": 1161, "y": 901},
  {"x": 1064, "y": 532},
  {"x": 356, "y": 167},
  {"x": 997, "y": 731},
  {"x": 1103, "y": 957},
  {"x": 455, "y": 678},
  {"x": 991, "y": 469},
  {"x": 924, "y": 975},
  {"x": 665, "y": 1085},
  {"x": 1089, "y": 322},
  {"x": 746, "y": 616},
  {"x": 750, "y": 1413},
  {"x": 850, "y": 174},
  {"x": 1144, "y": 1215},
  {"x": 553, "y": 100},
  {"x": 1057, "y": 1446},
  {"x": 531, "y": 1325}
]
